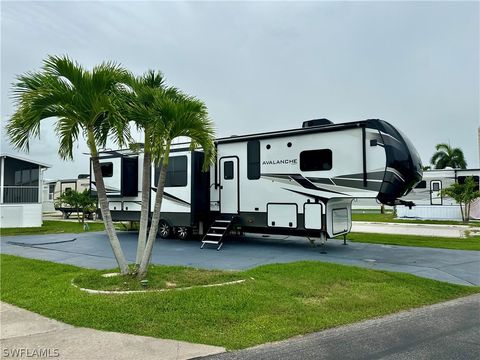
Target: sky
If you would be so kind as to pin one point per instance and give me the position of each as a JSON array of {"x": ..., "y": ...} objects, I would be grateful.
[{"x": 266, "y": 66}]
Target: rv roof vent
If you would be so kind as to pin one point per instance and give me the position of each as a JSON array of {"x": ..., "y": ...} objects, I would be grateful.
[{"x": 316, "y": 122}]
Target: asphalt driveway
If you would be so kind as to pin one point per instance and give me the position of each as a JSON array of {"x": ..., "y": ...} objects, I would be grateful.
[
  {"x": 444, "y": 331},
  {"x": 92, "y": 250}
]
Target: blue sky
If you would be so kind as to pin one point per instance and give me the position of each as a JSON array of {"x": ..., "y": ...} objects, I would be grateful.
[{"x": 263, "y": 66}]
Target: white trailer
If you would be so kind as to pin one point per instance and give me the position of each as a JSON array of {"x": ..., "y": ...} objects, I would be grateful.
[
  {"x": 299, "y": 181},
  {"x": 81, "y": 183},
  {"x": 431, "y": 203}
]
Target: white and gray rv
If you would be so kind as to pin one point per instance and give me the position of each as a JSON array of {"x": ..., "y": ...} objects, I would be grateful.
[
  {"x": 300, "y": 181},
  {"x": 430, "y": 201}
]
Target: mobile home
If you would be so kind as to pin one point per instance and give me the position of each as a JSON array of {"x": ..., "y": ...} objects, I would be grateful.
[
  {"x": 430, "y": 201},
  {"x": 300, "y": 181}
]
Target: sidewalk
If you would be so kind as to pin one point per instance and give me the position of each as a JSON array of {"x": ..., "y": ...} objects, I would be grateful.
[
  {"x": 24, "y": 334},
  {"x": 453, "y": 231}
]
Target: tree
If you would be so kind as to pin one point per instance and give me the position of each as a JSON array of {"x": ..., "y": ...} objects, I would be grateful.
[
  {"x": 446, "y": 156},
  {"x": 79, "y": 201},
  {"x": 138, "y": 110},
  {"x": 84, "y": 103},
  {"x": 464, "y": 194},
  {"x": 172, "y": 115}
]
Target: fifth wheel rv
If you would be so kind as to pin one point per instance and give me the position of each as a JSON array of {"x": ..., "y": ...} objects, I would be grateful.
[{"x": 296, "y": 182}]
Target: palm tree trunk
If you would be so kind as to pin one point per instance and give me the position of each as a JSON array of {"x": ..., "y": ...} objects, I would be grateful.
[
  {"x": 152, "y": 235},
  {"x": 107, "y": 217},
  {"x": 461, "y": 210},
  {"x": 104, "y": 209},
  {"x": 146, "y": 182}
]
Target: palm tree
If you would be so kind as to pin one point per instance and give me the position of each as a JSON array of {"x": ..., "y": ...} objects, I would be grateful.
[
  {"x": 84, "y": 103},
  {"x": 446, "y": 156},
  {"x": 138, "y": 110},
  {"x": 172, "y": 115}
]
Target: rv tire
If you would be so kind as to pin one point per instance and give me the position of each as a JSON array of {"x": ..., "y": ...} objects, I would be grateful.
[
  {"x": 182, "y": 232},
  {"x": 164, "y": 229}
]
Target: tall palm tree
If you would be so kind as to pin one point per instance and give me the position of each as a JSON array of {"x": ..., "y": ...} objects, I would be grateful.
[
  {"x": 447, "y": 156},
  {"x": 138, "y": 109},
  {"x": 84, "y": 103},
  {"x": 174, "y": 114}
]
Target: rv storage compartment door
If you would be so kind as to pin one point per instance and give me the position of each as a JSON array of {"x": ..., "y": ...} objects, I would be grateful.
[
  {"x": 313, "y": 216},
  {"x": 282, "y": 215},
  {"x": 115, "y": 205},
  {"x": 339, "y": 216}
]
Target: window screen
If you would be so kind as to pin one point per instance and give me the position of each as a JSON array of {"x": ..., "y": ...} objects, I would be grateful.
[
  {"x": 228, "y": 170},
  {"x": 461, "y": 180},
  {"x": 421, "y": 185},
  {"x": 316, "y": 160},
  {"x": 253, "y": 160},
  {"x": 107, "y": 169}
]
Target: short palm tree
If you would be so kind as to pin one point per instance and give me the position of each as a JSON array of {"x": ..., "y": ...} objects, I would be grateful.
[
  {"x": 85, "y": 103},
  {"x": 447, "y": 156},
  {"x": 173, "y": 114}
]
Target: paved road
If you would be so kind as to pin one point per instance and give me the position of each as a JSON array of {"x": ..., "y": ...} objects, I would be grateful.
[
  {"x": 27, "y": 332},
  {"x": 449, "y": 330},
  {"x": 93, "y": 250}
]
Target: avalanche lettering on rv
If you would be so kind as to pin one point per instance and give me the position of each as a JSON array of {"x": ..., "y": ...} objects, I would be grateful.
[{"x": 283, "y": 162}]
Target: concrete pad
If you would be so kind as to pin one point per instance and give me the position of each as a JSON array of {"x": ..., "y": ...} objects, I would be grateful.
[
  {"x": 453, "y": 231},
  {"x": 22, "y": 329},
  {"x": 92, "y": 250}
]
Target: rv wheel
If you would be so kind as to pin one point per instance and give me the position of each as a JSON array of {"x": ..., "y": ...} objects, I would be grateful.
[
  {"x": 182, "y": 232},
  {"x": 163, "y": 229}
]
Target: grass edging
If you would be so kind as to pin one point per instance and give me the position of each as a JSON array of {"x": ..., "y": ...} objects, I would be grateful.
[{"x": 125, "y": 292}]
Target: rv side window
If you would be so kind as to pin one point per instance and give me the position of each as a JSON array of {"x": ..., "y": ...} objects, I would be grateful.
[
  {"x": 228, "y": 170},
  {"x": 107, "y": 169},
  {"x": 316, "y": 160},
  {"x": 177, "y": 172},
  {"x": 421, "y": 185},
  {"x": 461, "y": 180},
  {"x": 436, "y": 186},
  {"x": 253, "y": 160}
]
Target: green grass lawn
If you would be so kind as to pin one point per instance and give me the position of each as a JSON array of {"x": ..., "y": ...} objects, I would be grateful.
[
  {"x": 390, "y": 217},
  {"x": 53, "y": 227},
  {"x": 283, "y": 300},
  {"x": 469, "y": 243}
]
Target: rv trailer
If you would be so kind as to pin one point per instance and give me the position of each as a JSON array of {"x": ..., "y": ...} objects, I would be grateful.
[
  {"x": 431, "y": 203},
  {"x": 296, "y": 182},
  {"x": 81, "y": 183}
]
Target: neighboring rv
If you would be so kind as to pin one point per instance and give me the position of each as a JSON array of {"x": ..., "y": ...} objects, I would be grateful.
[
  {"x": 61, "y": 186},
  {"x": 429, "y": 200},
  {"x": 299, "y": 181}
]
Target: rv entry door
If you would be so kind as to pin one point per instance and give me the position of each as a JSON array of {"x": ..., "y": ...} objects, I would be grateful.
[
  {"x": 435, "y": 192},
  {"x": 229, "y": 185}
]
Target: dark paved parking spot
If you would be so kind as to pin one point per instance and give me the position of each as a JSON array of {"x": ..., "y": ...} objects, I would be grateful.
[
  {"x": 92, "y": 250},
  {"x": 449, "y": 330}
]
